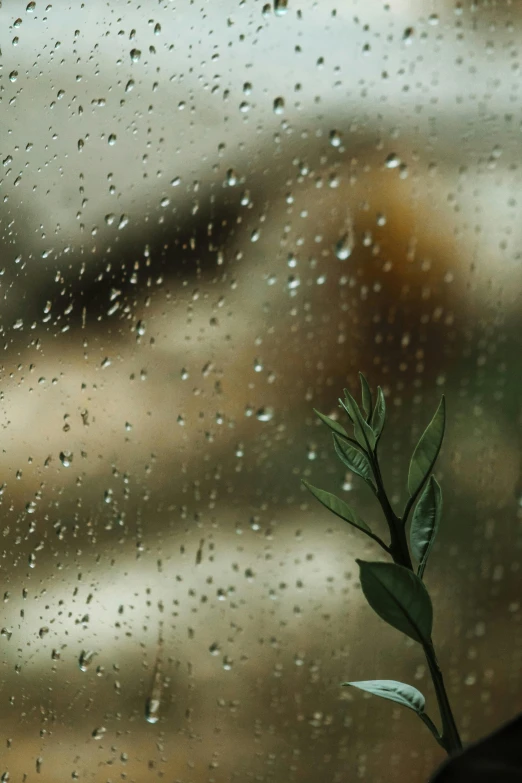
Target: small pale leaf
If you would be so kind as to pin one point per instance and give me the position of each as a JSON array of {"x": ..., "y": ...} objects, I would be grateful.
[
  {"x": 379, "y": 414},
  {"x": 332, "y": 424},
  {"x": 338, "y": 506},
  {"x": 399, "y": 597},
  {"x": 364, "y": 434},
  {"x": 354, "y": 459},
  {"x": 400, "y": 692},
  {"x": 425, "y": 523},
  {"x": 366, "y": 394},
  {"x": 427, "y": 450}
]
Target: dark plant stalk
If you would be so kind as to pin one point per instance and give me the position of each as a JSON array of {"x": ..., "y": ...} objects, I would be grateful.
[
  {"x": 450, "y": 738},
  {"x": 451, "y": 741}
]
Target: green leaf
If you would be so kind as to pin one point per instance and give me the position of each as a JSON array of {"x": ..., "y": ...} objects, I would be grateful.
[
  {"x": 399, "y": 597},
  {"x": 425, "y": 523},
  {"x": 338, "y": 506},
  {"x": 366, "y": 394},
  {"x": 354, "y": 459},
  {"x": 379, "y": 414},
  {"x": 400, "y": 692},
  {"x": 363, "y": 432},
  {"x": 427, "y": 450},
  {"x": 332, "y": 424}
]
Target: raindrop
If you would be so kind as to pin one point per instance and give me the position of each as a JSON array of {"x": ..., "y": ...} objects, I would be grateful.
[
  {"x": 231, "y": 179},
  {"x": 152, "y": 707},
  {"x": 112, "y": 139},
  {"x": 344, "y": 247},
  {"x": 66, "y": 458},
  {"x": 265, "y": 414},
  {"x": 280, "y": 7},
  {"x": 279, "y": 105},
  {"x": 13, "y": 76},
  {"x": 85, "y": 659},
  {"x": 335, "y": 138},
  {"x": 392, "y": 161},
  {"x": 124, "y": 220},
  {"x": 98, "y": 733},
  {"x": 135, "y": 55}
]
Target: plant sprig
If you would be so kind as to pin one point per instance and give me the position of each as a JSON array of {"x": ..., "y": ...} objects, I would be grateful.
[{"x": 396, "y": 591}]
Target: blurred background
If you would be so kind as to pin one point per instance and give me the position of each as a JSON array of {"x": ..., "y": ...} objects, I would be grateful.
[{"x": 213, "y": 215}]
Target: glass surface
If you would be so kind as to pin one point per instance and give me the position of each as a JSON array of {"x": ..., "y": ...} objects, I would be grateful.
[{"x": 214, "y": 214}]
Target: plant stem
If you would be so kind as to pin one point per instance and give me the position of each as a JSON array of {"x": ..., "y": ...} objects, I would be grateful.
[
  {"x": 398, "y": 545},
  {"x": 450, "y": 735},
  {"x": 450, "y": 739}
]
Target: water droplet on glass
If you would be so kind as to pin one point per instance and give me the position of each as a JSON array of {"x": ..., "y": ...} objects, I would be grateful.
[
  {"x": 265, "y": 414},
  {"x": 335, "y": 138},
  {"x": 112, "y": 139},
  {"x": 279, "y": 105},
  {"x": 344, "y": 247},
  {"x": 124, "y": 220},
  {"x": 311, "y": 451},
  {"x": 231, "y": 178},
  {"x": 98, "y": 733},
  {"x": 152, "y": 707},
  {"x": 135, "y": 55},
  {"x": 13, "y": 76},
  {"x": 392, "y": 161},
  {"x": 66, "y": 458},
  {"x": 280, "y": 7},
  {"x": 85, "y": 659}
]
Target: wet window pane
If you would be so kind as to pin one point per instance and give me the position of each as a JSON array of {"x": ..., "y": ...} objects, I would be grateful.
[{"x": 214, "y": 215}]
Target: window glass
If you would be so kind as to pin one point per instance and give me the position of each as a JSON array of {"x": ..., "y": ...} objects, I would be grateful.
[{"x": 214, "y": 214}]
